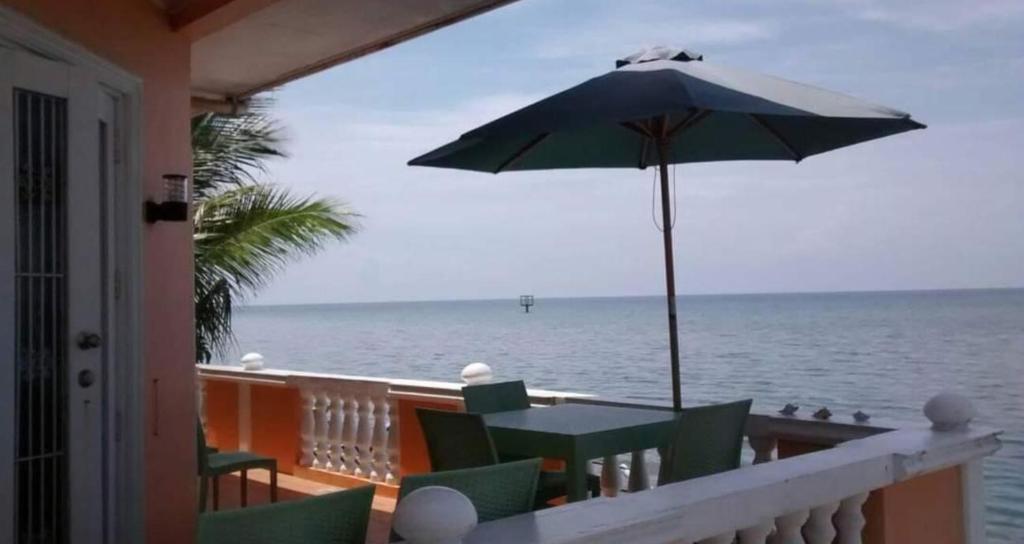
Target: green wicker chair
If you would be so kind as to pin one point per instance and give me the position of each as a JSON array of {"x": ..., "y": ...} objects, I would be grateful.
[
  {"x": 496, "y": 491},
  {"x": 213, "y": 464},
  {"x": 489, "y": 398},
  {"x": 458, "y": 440},
  {"x": 334, "y": 518},
  {"x": 707, "y": 440}
]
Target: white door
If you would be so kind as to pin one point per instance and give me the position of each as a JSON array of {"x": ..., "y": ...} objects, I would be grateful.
[{"x": 54, "y": 144}]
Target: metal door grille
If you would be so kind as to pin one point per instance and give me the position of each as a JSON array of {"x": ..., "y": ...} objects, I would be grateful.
[{"x": 40, "y": 155}]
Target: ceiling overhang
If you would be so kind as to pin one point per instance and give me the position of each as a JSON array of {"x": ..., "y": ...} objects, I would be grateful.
[{"x": 243, "y": 47}]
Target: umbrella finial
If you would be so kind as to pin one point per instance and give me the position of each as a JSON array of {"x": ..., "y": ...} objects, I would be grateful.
[{"x": 659, "y": 52}]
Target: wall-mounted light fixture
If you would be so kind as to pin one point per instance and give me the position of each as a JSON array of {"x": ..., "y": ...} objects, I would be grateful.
[{"x": 175, "y": 204}]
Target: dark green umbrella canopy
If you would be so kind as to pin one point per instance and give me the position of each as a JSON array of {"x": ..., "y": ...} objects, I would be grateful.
[
  {"x": 665, "y": 106},
  {"x": 712, "y": 113}
]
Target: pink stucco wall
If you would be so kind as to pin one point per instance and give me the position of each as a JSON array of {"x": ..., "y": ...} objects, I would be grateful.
[{"x": 135, "y": 35}]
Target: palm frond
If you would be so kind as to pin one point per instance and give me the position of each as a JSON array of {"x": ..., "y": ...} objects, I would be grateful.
[
  {"x": 231, "y": 150},
  {"x": 246, "y": 232},
  {"x": 213, "y": 317}
]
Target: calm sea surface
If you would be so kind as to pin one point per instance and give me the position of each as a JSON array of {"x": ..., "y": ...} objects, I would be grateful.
[{"x": 884, "y": 353}]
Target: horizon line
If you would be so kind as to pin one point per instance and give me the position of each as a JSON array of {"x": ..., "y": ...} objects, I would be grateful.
[{"x": 661, "y": 295}]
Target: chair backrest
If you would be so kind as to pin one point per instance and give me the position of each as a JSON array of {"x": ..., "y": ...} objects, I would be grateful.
[
  {"x": 334, "y": 518},
  {"x": 496, "y": 491},
  {"x": 456, "y": 440},
  {"x": 201, "y": 454},
  {"x": 707, "y": 440},
  {"x": 489, "y": 398}
]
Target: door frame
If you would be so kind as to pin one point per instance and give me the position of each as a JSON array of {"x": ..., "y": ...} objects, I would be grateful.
[{"x": 125, "y": 444}]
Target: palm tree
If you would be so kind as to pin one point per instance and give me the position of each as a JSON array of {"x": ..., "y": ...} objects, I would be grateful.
[{"x": 246, "y": 231}]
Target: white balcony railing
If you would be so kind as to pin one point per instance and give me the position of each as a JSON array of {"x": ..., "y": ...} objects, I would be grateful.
[{"x": 350, "y": 425}]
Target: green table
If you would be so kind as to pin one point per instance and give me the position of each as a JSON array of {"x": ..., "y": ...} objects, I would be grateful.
[{"x": 577, "y": 433}]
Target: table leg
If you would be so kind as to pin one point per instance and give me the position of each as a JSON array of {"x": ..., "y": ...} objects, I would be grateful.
[
  {"x": 245, "y": 488},
  {"x": 576, "y": 478}
]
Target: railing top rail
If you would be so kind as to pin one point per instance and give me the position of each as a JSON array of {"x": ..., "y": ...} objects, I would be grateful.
[
  {"x": 705, "y": 507},
  {"x": 801, "y": 428},
  {"x": 396, "y": 385}
]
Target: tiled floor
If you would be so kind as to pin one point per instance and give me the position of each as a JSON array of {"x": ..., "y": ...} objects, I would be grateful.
[{"x": 291, "y": 488}]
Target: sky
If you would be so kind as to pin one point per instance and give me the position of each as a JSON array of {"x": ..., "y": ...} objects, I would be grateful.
[{"x": 931, "y": 209}]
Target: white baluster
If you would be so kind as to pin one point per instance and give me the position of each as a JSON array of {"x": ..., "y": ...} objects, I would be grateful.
[
  {"x": 350, "y": 425},
  {"x": 306, "y": 434},
  {"x": 764, "y": 447},
  {"x": 394, "y": 467},
  {"x": 610, "y": 480},
  {"x": 788, "y": 528},
  {"x": 758, "y": 534},
  {"x": 364, "y": 436},
  {"x": 819, "y": 528},
  {"x": 320, "y": 416},
  {"x": 201, "y": 401},
  {"x": 638, "y": 479},
  {"x": 850, "y": 519},
  {"x": 726, "y": 538},
  {"x": 380, "y": 438},
  {"x": 334, "y": 429}
]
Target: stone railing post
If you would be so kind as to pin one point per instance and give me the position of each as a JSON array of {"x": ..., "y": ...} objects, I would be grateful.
[
  {"x": 819, "y": 528},
  {"x": 725, "y": 538},
  {"x": 764, "y": 448},
  {"x": 379, "y": 470},
  {"x": 611, "y": 480},
  {"x": 201, "y": 399},
  {"x": 336, "y": 453},
  {"x": 788, "y": 528},
  {"x": 307, "y": 436},
  {"x": 364, "y": 436},
  {"x": 320, "y": 417},
  {"x": 850, "y": 520},
  {"x": 757, "y": 534},
  {"x": 393, "y": 446},
  {"x": 350, "y": 422},
  {"x": 638, "y": 478}
]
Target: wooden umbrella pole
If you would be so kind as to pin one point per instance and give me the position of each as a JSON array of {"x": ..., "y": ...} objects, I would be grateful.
[{"x": 670, "y": 272}]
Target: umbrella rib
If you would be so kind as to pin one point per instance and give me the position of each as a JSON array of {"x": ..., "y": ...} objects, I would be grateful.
[
  {"x": 689, "y": 122},
  {"x": 521, "y": 151},
  {"x": 638, "y": 128},
  {"x": 642, "y": 159},
  {"x": 778, "y": 137}
]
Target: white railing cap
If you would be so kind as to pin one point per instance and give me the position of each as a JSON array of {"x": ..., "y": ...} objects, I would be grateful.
[
  {"x": 434, "y": 515},
  {"x": 704, "y": 507},
  {"x": 949, "y": 411}
]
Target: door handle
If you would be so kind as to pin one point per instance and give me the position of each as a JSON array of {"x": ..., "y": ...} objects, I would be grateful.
[{"x": 88, "y": 340}]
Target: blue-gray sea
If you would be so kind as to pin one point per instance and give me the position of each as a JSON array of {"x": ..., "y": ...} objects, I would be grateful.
[{"x": 884, "y": 353}]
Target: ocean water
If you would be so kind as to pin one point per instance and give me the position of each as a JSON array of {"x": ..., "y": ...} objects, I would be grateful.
[{"x": 885, "y": 353}]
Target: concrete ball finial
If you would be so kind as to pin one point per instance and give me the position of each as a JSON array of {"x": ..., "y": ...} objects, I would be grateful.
[
  {"x": 252, "y": 361},
  {"x": 434, "y": 515},
  {"x": 476, "y": 373},
  {"x": 949, "y": 411}
]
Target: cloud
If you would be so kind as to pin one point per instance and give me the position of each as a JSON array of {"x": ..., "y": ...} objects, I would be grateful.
[
  {"x": 937, "y": 15},
  {"x": 595, "y": 41},
  {"x": 610, "y": 30}
]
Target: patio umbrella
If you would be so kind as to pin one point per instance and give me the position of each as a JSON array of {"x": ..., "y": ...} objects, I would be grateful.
[{"x": 665, "y": 106}]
